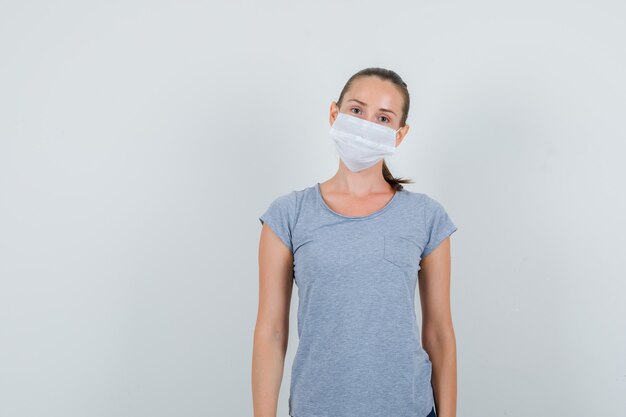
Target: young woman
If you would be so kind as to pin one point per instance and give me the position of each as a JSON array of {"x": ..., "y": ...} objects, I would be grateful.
[{"x": 354, "y": 245}]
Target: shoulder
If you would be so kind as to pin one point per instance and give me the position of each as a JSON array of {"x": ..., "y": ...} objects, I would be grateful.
[
  {"x": 285, "y": 199},
  {"x": 427, "y": 206},
  {"x": 436, "y": 221},
  {"x": 431, "y": 204},
  {"x": 289, "y": 204},
  {"x": 291, "y": 199},
  {"x": 282, "y": 213},
  {"x": 420, "y": 200}
]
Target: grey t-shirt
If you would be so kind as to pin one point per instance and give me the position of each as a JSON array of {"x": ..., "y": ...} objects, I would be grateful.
[{"x": 359, "y": 351}]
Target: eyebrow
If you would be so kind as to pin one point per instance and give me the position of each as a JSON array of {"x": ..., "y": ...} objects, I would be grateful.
[{"x": 365, "y": 105}]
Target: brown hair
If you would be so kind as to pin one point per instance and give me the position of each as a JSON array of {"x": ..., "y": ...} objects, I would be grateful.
[{"x": 386, "y": 75}]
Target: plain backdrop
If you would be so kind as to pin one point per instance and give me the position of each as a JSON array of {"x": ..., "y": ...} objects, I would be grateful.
[{"x": 141, "y": 140}]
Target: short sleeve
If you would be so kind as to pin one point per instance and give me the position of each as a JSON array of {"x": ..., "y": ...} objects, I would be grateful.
[
  {"x": 438, "y": 224},
  {"x": 279, "y": 217}
]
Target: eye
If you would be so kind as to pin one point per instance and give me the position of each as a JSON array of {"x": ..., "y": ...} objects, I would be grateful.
[
  {"x": 355, "y": 108},
  {"x": 385, "y": 117}
]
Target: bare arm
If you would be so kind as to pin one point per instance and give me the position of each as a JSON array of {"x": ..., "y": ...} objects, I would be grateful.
[
  {"x": 438, "y": 336},
  {"x": 271, "y": 332}
]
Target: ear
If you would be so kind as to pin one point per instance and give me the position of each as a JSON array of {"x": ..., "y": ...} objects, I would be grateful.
[
  {"x": 334, "y": 111},
  {"x": 401, "y": 134}
]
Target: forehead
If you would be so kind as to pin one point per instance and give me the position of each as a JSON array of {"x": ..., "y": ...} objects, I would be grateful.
[{"x": 375, "y": 93}]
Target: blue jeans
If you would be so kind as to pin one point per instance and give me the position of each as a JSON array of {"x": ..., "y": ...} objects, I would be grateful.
[{"x": 432, "y": 413}]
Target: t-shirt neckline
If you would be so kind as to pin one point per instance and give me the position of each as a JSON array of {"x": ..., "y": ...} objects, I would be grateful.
[{"x": 320, "y": 199}]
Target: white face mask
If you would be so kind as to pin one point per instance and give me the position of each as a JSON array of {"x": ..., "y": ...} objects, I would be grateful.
[{"x": 361, "y": 143}]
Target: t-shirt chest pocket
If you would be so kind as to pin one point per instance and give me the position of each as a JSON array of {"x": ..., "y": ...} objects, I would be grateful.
[{"x": 400, "y": 251}]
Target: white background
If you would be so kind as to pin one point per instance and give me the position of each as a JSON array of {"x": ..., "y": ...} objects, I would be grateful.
[{"x": 141, "y": 140}]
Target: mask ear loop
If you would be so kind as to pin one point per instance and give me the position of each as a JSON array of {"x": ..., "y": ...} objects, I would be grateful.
[{"x": 398, "y": 130}]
